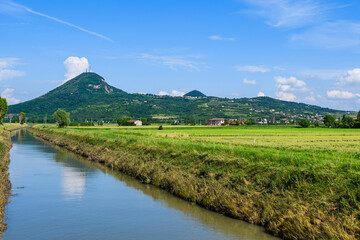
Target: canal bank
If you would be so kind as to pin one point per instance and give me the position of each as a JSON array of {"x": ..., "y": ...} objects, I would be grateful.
[
  {"x": 59, "y": 195},
  {"x": 5, "y": 184}
]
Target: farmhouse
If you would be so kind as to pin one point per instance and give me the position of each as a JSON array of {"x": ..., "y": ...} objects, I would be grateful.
[
  {"x": 136, "y": 122},
  {"x": 216, "y": 122}
]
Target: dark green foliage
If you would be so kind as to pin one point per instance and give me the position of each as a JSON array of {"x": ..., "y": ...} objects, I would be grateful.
[
  {"x": 358, "y": 116},
  {"x": 195, "y": 93},
  {"x": 21, "y": 118},
  {"x": 62, "y": 118},
  {"x": 74, "y": 124},
  {"x": 88, "y": 96},
  {"x": 250, "y": 122},
  {"x": 161, "y": 127},
  {"x": 124, "y": 122},
  {"x": 304, "y": 123},
  {"x": 87, "y": 124},
  {"x": 3, "y": 108},
  {"x": 329, "y": 121},
  {"x": 316, "y": 124},
  {"x": 347, "y": 122},
  {"x": 145, "y": 121}
]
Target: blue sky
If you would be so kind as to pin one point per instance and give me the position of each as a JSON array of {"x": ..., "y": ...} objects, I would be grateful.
[{"x": 303, "y": 51}]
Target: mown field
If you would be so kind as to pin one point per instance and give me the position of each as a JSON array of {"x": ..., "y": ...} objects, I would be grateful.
[{"x": 297, "y": 183}]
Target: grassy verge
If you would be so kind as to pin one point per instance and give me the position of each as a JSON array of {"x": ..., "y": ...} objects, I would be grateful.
[
  {"x": 294, "y": 193},
  {"x": 5, "y": 185}
]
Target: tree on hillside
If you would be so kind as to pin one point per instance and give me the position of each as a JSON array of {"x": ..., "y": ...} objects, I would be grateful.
[
  {"x": 358, "y": 116},
  {"x": 3, "y": 108},
  {"x": 304, "y": 123},
  {"x": 22, "y": 118},
  {"x": 329, "y": 121},
  {"x": 62, "y": 118}
]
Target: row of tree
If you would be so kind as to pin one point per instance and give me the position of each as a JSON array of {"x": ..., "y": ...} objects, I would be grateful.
[
  {"x": 21, "y": 118},
  {"x": 345, "y": 122}
]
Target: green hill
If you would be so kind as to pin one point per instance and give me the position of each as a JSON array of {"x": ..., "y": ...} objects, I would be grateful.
[
  {"x": 195, "y": 93},
  {"x": 88, "y": 96}
]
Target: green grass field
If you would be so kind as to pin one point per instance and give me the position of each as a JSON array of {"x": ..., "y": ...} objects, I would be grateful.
[{"x": 298, "y": 183}]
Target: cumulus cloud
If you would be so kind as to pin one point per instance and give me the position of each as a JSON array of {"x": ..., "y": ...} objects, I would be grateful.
[
  {"x": 252, "y": 69},
  {"x": 75, "y": 66},
  {"x": 286, "y": 96},
  {"x": 220, "y": 38},
  {"x": 8, "y": 94},
  {"x": 174, "y": 93},
  {"x": 352, "y": 76},
  {"x": 341, "y": 94},
  {"x": 287, "y": 86},
  {"x": 310, "y": 99},
  {"x": 6, "y": 71},
  {"x": 249, "y": 82},
  {"x": 261, "y": 94}
]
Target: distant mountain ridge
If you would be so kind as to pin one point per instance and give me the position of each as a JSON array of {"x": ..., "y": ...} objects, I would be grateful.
[{"x": 88, "y": 96}]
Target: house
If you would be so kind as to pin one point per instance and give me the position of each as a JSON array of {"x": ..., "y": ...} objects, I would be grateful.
[
  {"x": 136, "y": 122},
  {"x": 216, "y": 122}
]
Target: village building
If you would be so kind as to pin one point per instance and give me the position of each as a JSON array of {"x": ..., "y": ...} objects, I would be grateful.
[
  {"x": 136, "y": 122},
  {"x": 216, "y": 122}
]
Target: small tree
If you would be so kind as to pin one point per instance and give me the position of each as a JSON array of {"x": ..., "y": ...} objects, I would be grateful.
[
  {"x": 316, "y": 124},
  {"x": 304, "y": 123},
  {"x": 3, "y": 108},
  {"x": 22, "y": 118},
  {"x": 62, "y": 118},
  {"x": 329, "y": 121}
]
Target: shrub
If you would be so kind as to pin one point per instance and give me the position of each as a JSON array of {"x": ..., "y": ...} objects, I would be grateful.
[
  {"x": 124, "y": 122},
  {"x": 161, "y": 127},
  {"x": 329, "y": 121},
  {"x": 74, "y": 124},
  {"x": 304, "y": 123},
  {"x": 316, "y": 124}
]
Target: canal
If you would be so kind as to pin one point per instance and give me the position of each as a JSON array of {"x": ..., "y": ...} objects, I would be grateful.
[{"x": 57, "y": 195}]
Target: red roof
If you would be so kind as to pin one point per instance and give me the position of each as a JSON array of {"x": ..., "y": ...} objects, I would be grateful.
[{"x": 133, "y": 121}]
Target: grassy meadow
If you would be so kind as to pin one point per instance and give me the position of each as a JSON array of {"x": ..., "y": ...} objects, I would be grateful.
[{"x": 297, "y": 183}]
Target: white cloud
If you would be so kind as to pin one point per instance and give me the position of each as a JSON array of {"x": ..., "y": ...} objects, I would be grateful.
[
  {"x": 173, "y": 62},
  {"x": 341, "y": 94},
  {"x": 261, "y": 94},
  {"x": 75, "y": 66},
  {"x": 331, "y": 35},
  {"x": 174, "y": 93},
  {"x": 10, "y": 6},
  {"x": 310, "y": 99},
  {"x": 8, "y": 94},
  {"x": 6, "y": 72},
  {"x": 290, "y": 84},
  {"x": 220, "y": 38},
  {"x": 289, "y": 13},
  {"x": 249, "y": 82},
  {"x": 352, "y": 76},
  {"x": 287, "y": 86},
  {"x": 252, "y": 69},
  {"x": 286, "y": 96}
]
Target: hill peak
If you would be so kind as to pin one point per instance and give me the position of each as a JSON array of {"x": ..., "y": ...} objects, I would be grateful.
[{"x": 195, "y": 93}]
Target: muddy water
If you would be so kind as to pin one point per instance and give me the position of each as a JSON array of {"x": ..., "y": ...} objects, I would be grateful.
[{"x": 58, "y": 195}]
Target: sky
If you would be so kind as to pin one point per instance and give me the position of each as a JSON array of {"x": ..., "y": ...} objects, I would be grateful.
[{"x": 296, "y": 50}]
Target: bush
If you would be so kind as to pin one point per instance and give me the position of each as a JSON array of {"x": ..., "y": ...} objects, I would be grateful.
[
  {"x": 74, "y": 124},
  {"x": 304, "y": 123},
  {"x": 161, "y": 127},
  {"x": 124, "y": 122},
  {"x": 316, "y": 124},
  {"x": 62, "y": 118},
  {"x": 329, "y": 121}
]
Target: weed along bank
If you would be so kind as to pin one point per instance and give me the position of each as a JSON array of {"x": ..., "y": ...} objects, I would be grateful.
[{"x": 299, "y": 191}]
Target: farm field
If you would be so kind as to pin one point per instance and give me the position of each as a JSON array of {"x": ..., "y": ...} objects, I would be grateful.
[{"x": 297, "y": 183}]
